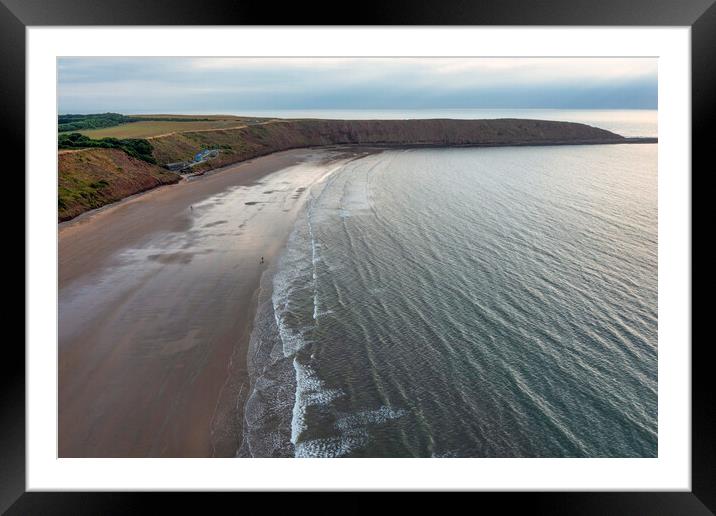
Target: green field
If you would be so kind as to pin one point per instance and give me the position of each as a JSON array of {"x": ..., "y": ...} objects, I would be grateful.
[{"x": 155, "y": 128}]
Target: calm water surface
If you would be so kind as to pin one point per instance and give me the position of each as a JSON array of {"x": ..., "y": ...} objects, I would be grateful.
[{"x": 484, "y": 302}]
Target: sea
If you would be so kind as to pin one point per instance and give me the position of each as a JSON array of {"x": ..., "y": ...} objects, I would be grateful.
[{"x": 466, "y": 302}]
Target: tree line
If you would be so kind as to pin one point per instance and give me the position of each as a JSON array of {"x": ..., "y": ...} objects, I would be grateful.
[
  {"x": 135, "y": 147},
  {"x": 70, "y": 122}
]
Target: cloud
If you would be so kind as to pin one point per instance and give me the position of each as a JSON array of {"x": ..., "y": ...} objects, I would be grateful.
[{"x": 140, "y": 84}]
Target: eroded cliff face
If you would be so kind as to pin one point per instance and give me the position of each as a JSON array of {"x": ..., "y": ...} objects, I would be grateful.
[
  {"x": 256, "y": 140},
  {"x": 92, "y": 178}
]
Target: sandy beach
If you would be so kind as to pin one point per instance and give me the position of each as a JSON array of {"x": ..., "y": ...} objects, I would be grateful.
[{"x": 157, "y": 296}]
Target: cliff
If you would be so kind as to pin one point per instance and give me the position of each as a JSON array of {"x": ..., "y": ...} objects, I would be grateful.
[
  {"x": 256, "y": 140},
  {"x": 91, "y": 178}
]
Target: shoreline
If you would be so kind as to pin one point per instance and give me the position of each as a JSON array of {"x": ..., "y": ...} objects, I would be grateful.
[
  {"x": 168, "y": 411},
  {"x": 184, "y": 179},
  {"x": 168, "y": 255},
  {"x": 349, "y": 147}
]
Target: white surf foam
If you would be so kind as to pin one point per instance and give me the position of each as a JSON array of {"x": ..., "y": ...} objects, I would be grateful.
[
  {"x": 353, "y": 433},
  {"x": 362, "y": 419},
  {"x": 297, "y": 281},
  {"x": 310, "y": 391}
]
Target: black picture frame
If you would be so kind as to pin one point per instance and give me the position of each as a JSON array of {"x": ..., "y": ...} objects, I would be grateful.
[{"x": 700, "y": 15}]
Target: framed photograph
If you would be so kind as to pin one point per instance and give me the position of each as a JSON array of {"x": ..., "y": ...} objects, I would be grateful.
[{"x": 436, "y": 250}]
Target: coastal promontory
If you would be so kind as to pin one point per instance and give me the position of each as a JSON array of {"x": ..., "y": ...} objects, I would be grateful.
[{"x": 92, "y": 175}]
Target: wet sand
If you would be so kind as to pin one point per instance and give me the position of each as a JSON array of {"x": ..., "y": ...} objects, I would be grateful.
[{"x": 157, "y": 296}]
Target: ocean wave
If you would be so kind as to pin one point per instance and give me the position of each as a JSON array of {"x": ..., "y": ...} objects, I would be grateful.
[
  {"x": 311, "y": 391},
  {"x": 353, "y": 429},
  {"x": 459, "y": 310},
  {"x": 282, "y": 388}
]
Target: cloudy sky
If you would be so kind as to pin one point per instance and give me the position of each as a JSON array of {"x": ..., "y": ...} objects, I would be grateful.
[{"x": 235, "y": 85}]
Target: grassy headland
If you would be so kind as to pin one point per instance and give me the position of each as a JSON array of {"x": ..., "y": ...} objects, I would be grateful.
[
  {"x": 259, "y": 139},
  {"x": 112, "y": 168}
]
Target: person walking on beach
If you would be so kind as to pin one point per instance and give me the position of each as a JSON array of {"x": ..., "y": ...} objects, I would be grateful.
[{"x": 262, "y": 259}]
